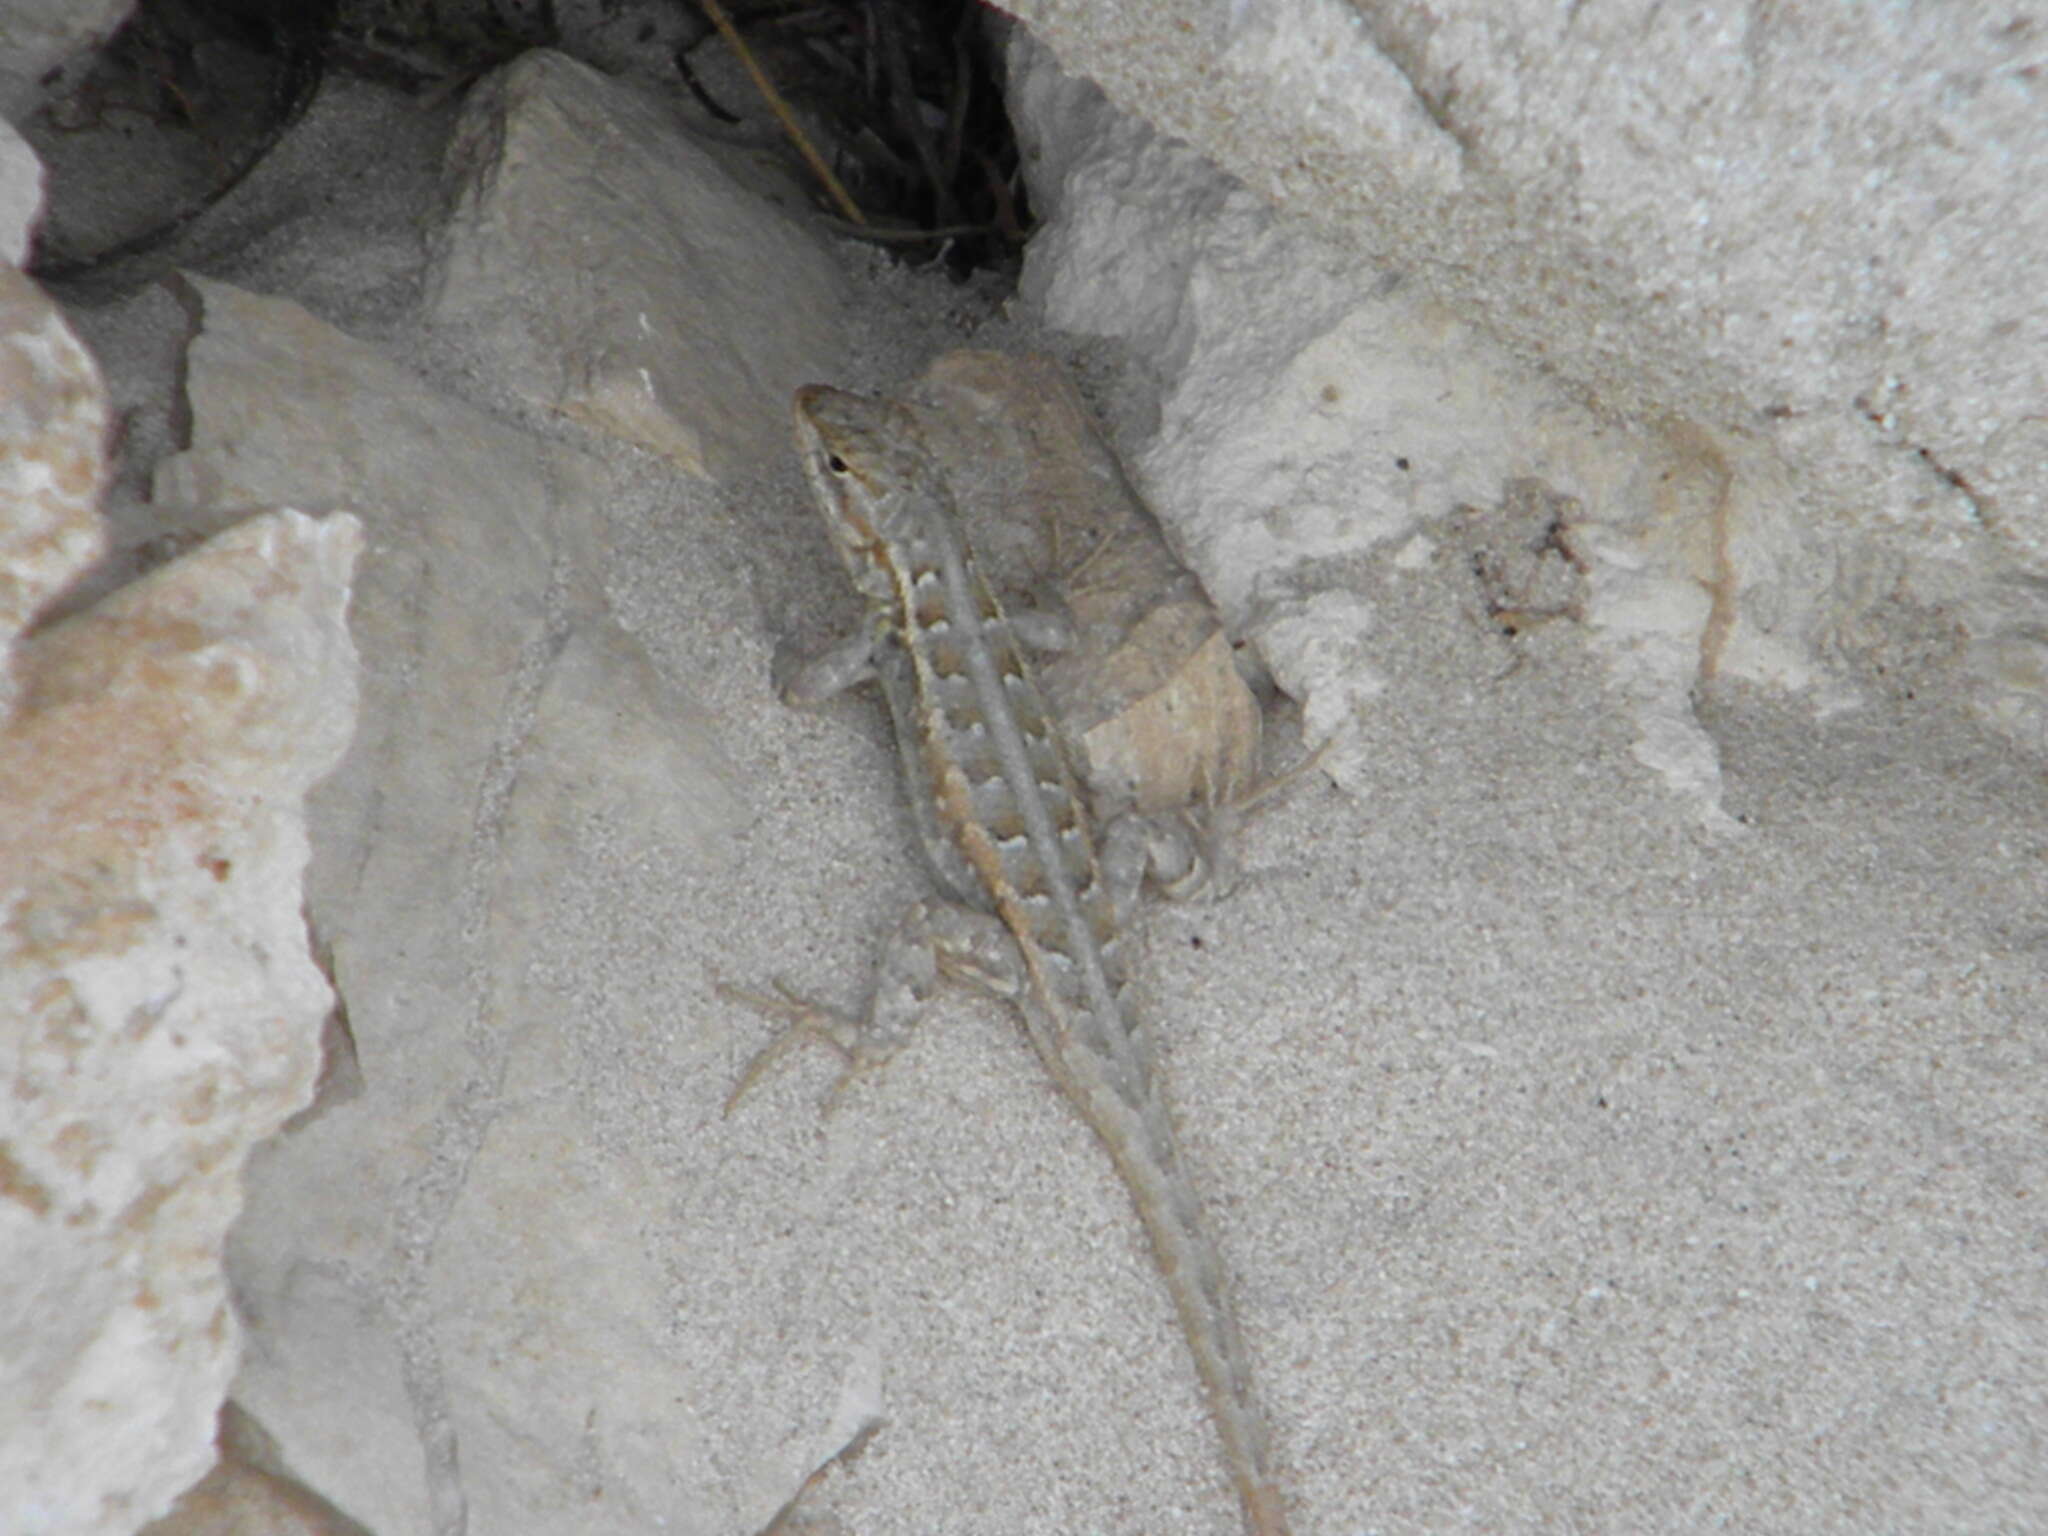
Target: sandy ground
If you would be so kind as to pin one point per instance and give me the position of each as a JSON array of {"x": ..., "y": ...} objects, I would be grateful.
[{"x": 1579, "y": 1169}]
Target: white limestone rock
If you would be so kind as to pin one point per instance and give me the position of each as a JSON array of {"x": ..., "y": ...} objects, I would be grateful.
[
  {"x": 1320, "y": 403},
  {"x": 620, "y": 276},
  {"x": 161, "y": 1013},
  {"x": 1808, "y": 224},
  {"x": 53, "y": 420},
  {"x": 1315, "y": 410}
]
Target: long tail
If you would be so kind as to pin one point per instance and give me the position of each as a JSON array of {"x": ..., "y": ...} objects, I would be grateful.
[{"x": 1149, "y": 1163}]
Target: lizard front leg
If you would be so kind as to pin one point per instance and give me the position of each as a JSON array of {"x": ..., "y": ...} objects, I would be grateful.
[{"x": 805, "y": 681}]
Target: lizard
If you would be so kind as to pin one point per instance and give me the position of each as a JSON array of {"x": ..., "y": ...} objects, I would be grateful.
[{"x": 1030, "y": 914}]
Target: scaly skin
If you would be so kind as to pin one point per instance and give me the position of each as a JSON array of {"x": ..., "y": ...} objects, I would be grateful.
[{"x": 1006, "y": 833}]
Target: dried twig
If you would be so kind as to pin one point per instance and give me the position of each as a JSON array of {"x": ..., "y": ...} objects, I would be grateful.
[{"x": 780, "y": 108}]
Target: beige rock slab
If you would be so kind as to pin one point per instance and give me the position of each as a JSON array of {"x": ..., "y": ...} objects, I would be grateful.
[
  {"x": 619, "y": 276},
  {"x": 247, "y": 1495},
  {"x": 514, "y": 734}
]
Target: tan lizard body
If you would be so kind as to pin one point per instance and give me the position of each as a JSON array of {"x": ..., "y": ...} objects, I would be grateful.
[{"x": 1006, "y": 833}]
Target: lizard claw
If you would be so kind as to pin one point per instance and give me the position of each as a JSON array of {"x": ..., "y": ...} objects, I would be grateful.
[
  {"x": 1275, "y": 783},
  {"x": 1212, "y": 825},
  {"x": 802, "y": 1020}
]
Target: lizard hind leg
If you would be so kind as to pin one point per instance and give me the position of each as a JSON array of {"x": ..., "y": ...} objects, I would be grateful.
[
  {"x": 936, "y": 941},
  {"x": 802, "y": 1020},
  {"x": 1187, "y": 854}
]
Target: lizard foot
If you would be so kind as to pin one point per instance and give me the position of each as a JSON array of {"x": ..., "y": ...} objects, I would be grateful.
[
  {"x": 802, "y": 1020},
  {"x": 1212, "y": 828},
  {"x": 1185, "y": 854},
  {"x": 935, "y": 942}
]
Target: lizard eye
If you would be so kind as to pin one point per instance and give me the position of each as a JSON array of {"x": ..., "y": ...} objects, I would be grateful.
[{"x": 836, "y": 464}]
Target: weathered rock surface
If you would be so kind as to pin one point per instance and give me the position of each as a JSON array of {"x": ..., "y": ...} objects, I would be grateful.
[
  {"x": 158, "y": 1013},
  {"x": 512, "y": 731},
  {"x": 53, "y": 418},
  {"x": 161, "y": 1014},
  {"x": 1798, "y": 224},
  {"x": 1320, "y": 404},
  {"x": 617, "y": 274}
]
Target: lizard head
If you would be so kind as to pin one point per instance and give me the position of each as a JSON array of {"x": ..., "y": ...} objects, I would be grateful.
[{"x": 871, "y": 474}]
